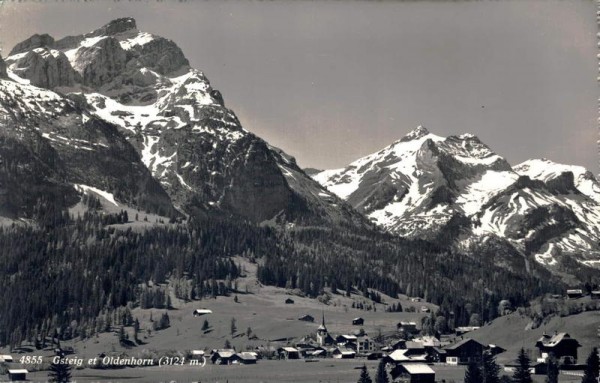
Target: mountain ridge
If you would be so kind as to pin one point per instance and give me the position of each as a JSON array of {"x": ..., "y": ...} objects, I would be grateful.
[
  {"x": 178, "y": 124},
  {"x": 422, "y": 184}
]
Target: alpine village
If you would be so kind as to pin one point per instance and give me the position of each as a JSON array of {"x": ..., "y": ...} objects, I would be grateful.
[{"x": 146, "y": 236}]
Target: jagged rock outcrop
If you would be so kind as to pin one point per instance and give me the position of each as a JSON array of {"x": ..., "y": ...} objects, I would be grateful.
[
  {"x": 45, "y": 67},
  {"x": 160, "y": 55},
  {"x": 115, "y": 27},
  {"x": 35, "y": 41},
  {"x": 100, "y": 63}
]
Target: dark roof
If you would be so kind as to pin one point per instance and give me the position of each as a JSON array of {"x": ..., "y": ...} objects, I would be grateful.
[
  {"x": 461, "y": 343},
  {"x": 554, "y": 340}
]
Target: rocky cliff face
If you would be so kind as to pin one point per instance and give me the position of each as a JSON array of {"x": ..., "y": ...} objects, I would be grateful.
[
  {"x": 140, "y": 98},
  {"x": 44, "y": 67},
  {"x": 52, "y": 144},
  {"x": 3, "y": 73},
  {"x": 457, "y": 190}
]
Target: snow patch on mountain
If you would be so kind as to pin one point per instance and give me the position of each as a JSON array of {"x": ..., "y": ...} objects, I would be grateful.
[{"x": 104, "y": 194}]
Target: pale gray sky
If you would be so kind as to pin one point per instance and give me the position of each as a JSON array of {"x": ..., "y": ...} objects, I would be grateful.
[{"x": 332, "y": 81}]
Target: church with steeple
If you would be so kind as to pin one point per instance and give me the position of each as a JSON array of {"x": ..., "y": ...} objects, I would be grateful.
[{"x": 323, "y": 337}]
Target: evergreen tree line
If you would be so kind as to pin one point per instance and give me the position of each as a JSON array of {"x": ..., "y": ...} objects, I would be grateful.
[{"x": 465, "y": 287}]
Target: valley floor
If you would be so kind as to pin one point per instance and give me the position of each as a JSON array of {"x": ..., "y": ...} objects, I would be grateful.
[{"x": 266, "y": 371}]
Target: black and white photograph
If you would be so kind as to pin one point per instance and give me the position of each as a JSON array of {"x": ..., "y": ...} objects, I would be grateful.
[{"x": 309, "y": 191}]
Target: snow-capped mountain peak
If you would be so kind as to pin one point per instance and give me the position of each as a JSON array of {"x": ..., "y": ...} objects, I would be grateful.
[
  {"x": 425, "y": 186},
  {"x": 168, "y": 114},
  {"x": 415, "y": 134}
]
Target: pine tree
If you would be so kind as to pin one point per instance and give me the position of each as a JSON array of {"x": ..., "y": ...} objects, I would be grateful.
[
  {"x": 364, "y": 375},
  {"x": 60, "y": 373},
  {"x": 552, "y": 370},
  {"x": 205, "y": 325},
  {"x": 382, "y": 376},
  {"x": 233, "y": 327},
  {"x": 473, "y": 373},
  {"x": 592, "y": 368},
  {"x": 490, "y": 369},
  {"x": 522, "y": 374}
]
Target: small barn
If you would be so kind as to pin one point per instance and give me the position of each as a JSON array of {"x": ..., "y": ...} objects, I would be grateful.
[
  {"x": 413, "y": 373},
  {"x": 289, "y": 301},
  {"x": 307, "y": 318},
  {"x": 288, "y": 353},
  {"x": 222, "y": 356},
  {"x": 6, "y": 358},
  {"x": 595, "y": 294},
  {"x": 574, "y": 293},
  {"x": 244, "y": 358},
  {"x": 407, "y": 327},
  {"x": 344, "y": 353},
  {"x": 200, "y": 312},
  {"x": 358, "y": 321},
  {"x": 15, "y": 375}
]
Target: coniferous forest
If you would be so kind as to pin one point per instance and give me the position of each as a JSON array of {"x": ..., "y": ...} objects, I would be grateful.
[{"x": 67, "y": 277}]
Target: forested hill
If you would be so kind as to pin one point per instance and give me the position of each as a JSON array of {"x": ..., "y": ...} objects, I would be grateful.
[{"x": 66, "y": 278}]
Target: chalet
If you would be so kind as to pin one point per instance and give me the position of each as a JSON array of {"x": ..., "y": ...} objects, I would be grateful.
[
  {"x": 428, "y": 341},
  {"x": 574, "y": 293},
  {"x": 6, "y": 358},
  {"x": 465, "y": 329},
  {"x": 244, "y": 358},
  {"x": 289, "y": 301},
  {"x": 425, "y": 309},
  {"x": 415, "y": 348},
  {"x": 307, "y": 318},
  {"x": 318, "y": 353},
  {"x": 407, "y": 327},
  {"x": 17, "y": 375},
  {"x": 464, "y": 352},
  {"x": 595, "y": 294},
  {"x": 560, "y": 345},
  {"x": 358, "y": 321},
  {"x": 200, "y": 312},
  {"x": 222, "y": 356},
  {"x": 413, "y": 373},
  {"x": 344, "y": 353},
  {"x": 288, "y": 353},
  {"x": 375, "y": 355},
  {"x": 197, "y": 354},
  {"x": 415, "y": 299},
  {"x": 346, "y": 340},
  {"x": 403, "y": 356}
]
